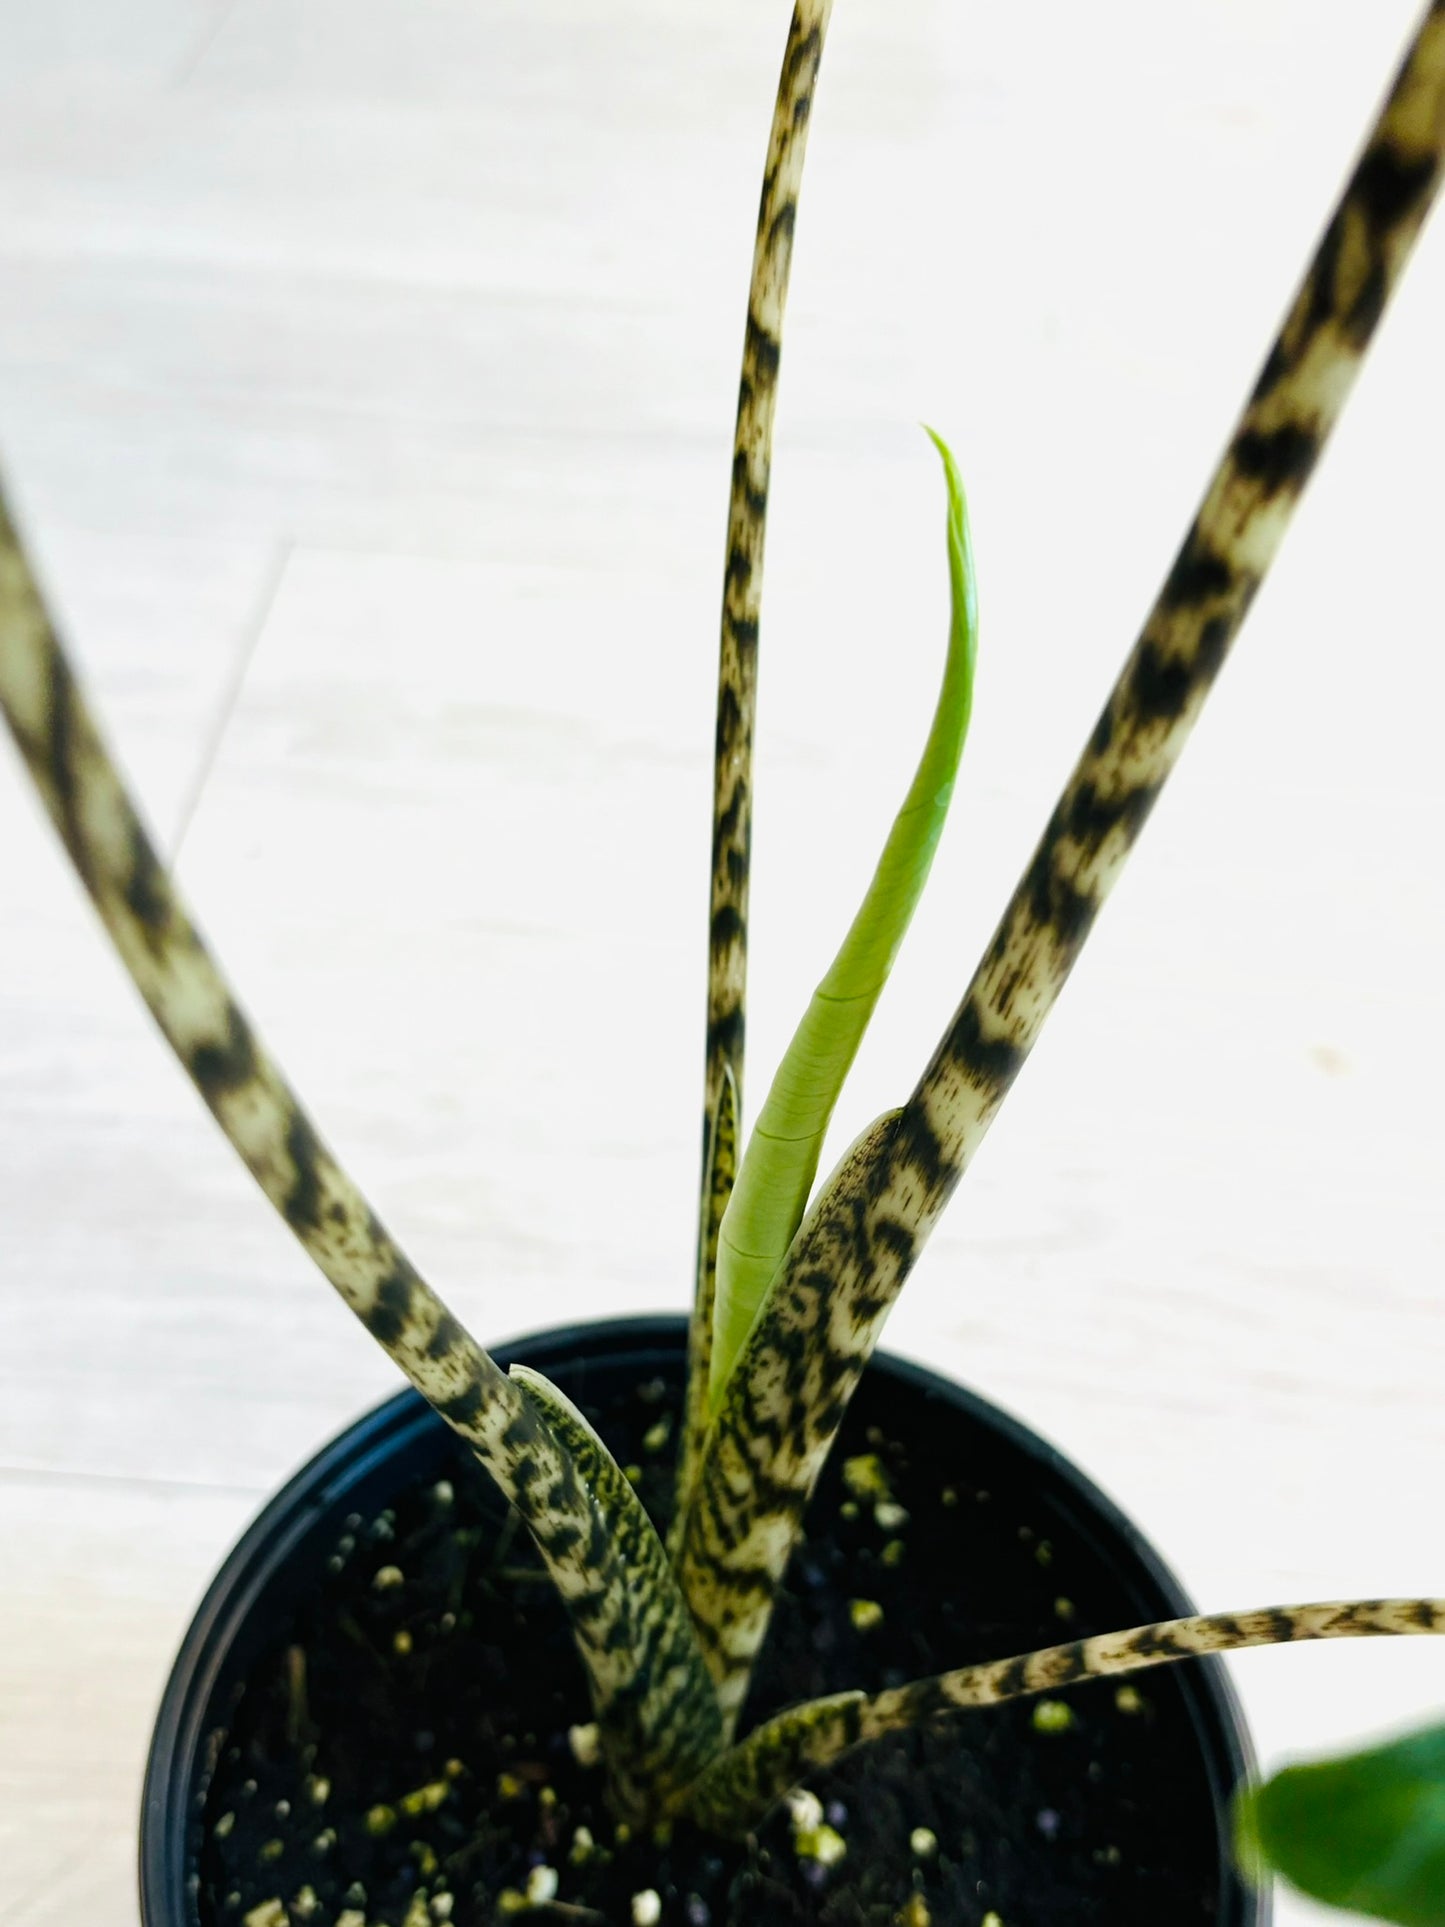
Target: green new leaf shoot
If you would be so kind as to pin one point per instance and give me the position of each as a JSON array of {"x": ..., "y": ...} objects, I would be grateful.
[
  {"x": 781, "y": 1160},
  {"x": 1365, "y": 1832}
]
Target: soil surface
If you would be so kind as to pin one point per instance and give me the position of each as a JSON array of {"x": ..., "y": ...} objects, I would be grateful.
[{"x": 404, "y": 1756}]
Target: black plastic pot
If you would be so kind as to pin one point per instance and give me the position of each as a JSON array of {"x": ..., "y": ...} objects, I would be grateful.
[{"x": 280, "y": 1557}]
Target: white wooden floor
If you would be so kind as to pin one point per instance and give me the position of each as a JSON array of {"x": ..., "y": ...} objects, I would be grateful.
[{"x": 366, "y": 381}]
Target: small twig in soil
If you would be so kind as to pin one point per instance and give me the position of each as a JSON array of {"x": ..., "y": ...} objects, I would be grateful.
[
  {"x": 355, "y": 1633},
  {"x": 298, "y": 1719},
  {"x": 468, "y": 1541}
]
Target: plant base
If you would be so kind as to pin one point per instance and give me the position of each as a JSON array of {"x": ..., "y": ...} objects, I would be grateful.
[{"x": 386, "y": 1727}]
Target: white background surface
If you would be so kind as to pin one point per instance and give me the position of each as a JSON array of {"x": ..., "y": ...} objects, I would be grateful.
[{"x": 366, "y": 384}]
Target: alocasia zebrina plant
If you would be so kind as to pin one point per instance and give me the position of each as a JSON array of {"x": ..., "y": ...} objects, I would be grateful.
[{"x": 792, "y": 1285}]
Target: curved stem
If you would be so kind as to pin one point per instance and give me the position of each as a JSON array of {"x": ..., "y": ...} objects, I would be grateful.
[
  {"x": 251, "y": 1101},
  {"x": 740, "y": 1788}
]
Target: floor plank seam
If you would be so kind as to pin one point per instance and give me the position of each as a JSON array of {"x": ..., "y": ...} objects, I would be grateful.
[
  {"x": 207, "y": 39},
  {"x": 52, "y": 1476},
  {"x": 226, "y": 708}
]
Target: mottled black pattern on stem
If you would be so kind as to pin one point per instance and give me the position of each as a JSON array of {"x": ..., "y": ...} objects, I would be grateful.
[
  {"x": 720, "y": 1175},
  {"x": 743, "y": 592},
  {"x": 735, "y": 1792},
  {"x": 667, "y": 1710},
  {"x": 584, "y": 1547}
]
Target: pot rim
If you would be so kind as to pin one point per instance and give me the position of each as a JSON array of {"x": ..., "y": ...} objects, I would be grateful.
[{"x": 186, "y": 1721}]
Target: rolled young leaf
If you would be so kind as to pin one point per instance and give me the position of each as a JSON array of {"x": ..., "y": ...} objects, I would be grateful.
[
  {"x": 781, "y": 1159},
  {"x": 1365, "y": 1832}
]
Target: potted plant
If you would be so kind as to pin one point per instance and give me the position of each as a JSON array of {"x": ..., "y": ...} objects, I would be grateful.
[{"x": 790, "y": 1301}]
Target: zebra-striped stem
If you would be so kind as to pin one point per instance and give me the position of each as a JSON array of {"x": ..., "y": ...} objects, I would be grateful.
[
  {"x": 740, "y": 1787},
  {"x": 667, "y": 1712},
  {"x": 1157, "y": 699},
  {"x": 580, "y": 1537},
  {"x": 743, "y": 579},
  {"x": 720, "y": 1172},
  {"x": 850, "y": 1259}
]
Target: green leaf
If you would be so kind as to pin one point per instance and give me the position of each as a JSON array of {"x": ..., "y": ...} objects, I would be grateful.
[
  {"x": 1366, "y": 1832},
  {"x": 781, "y": 1160}
]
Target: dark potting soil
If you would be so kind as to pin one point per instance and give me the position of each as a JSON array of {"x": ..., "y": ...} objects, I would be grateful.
[{"x": 402, "y": 1758}]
